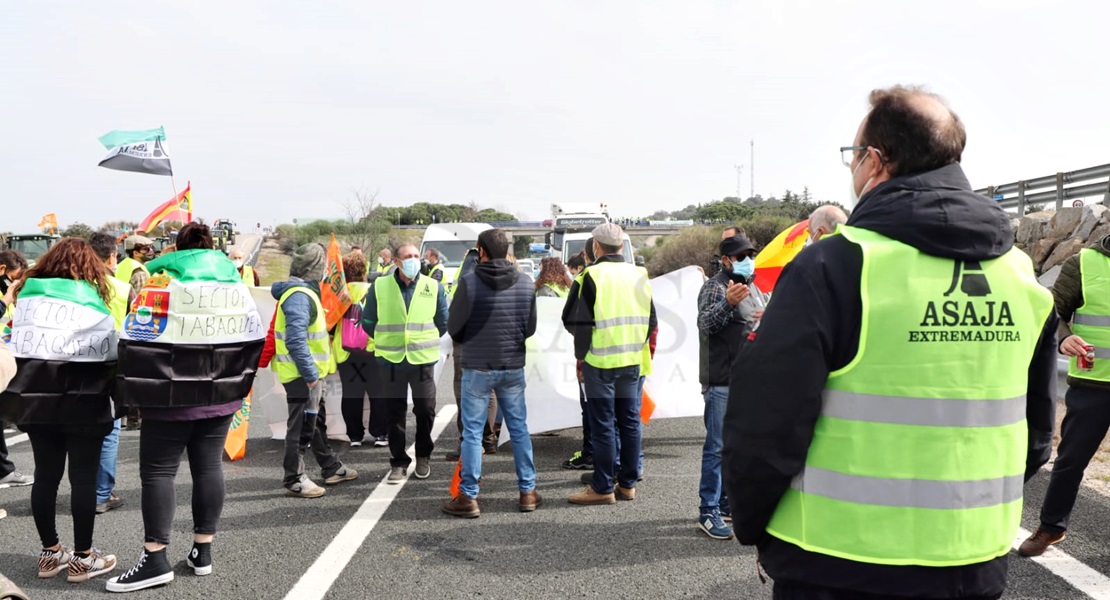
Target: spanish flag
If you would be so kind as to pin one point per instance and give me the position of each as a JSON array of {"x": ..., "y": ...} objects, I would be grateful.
[
  {"x": 774, "y": 256},
  {"x": 178, "y": 208}
]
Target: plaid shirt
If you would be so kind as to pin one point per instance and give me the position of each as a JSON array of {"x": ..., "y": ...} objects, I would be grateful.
[{"x": 714, "y": 312}]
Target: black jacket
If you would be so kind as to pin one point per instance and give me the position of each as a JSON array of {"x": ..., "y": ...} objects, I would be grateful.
[
  {"x": 812, "y": 327},
  {"x": 1068, "y": 295},
  {"x": 721, "y": 331},
  {"x": 492, "y": 313},
  {"x": 578, "y": 313}
]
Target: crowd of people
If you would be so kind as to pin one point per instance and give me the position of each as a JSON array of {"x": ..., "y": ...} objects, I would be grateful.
[{"x": 869, "y": 430}]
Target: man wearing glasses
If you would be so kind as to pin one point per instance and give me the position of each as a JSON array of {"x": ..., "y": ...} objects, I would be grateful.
[{"x": 902, "y": 385}]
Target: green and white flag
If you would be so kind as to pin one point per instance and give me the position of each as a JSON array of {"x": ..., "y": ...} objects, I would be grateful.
[
  {"x": 137, "y": 151},
  {"x": 62, "y": 320}
]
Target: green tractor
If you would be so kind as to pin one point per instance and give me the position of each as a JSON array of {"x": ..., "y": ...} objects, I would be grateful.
[
  {"x": 31, "y": 246},
  {"x": 228, "y": 229}
]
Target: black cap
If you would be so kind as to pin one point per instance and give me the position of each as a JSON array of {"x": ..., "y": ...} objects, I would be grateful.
[{"x": 735, "y": 246}]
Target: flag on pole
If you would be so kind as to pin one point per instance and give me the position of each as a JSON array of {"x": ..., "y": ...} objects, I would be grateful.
[
  {"x": 49, "y": 221},
  {"x": 333, "y": 290},
  {"x": 774, "y": 256},
  {"x": 178, "y": 208},
  {"x": 137, "y": 151}
]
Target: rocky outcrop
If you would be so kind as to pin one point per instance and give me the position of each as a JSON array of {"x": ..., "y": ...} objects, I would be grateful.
[{"x": 1050, "y": 237}]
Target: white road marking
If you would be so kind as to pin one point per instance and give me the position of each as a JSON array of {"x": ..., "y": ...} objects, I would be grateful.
[
  {"x": 19, "y": 439},
  {"x": 319, "y": 578},
  {"x": 1078, "y": 575}
]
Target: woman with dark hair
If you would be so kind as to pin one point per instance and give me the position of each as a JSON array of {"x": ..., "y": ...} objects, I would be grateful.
[
  {"x": 554, "y": 280},
  {"x": 64, "y": 341},
  {"x": 189, "y": 377},
  {"x": 359, "y": 369}
]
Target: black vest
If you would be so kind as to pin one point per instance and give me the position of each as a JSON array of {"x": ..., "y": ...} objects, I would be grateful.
[
  {"x": 719, "y": 350},
  {"x": 497, "y": 324}
]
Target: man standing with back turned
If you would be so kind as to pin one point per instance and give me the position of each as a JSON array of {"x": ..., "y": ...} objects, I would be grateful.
[{"x": 901, "y": 386}]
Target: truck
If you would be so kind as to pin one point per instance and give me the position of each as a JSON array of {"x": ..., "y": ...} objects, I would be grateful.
[
  {"x": 452, "y": 240},
  {"x": 572, "y": 224},
  {"x": 30, "y": 245}
]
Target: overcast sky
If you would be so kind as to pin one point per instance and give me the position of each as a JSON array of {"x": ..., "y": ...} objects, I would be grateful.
[{"x": 275, "y": 110}]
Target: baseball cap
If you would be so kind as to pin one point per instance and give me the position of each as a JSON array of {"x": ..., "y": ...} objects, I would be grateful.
[
  {"x": 735, "y": 246},
  {"x": 609, "y": 234},
  {"x": 136, "y": 240}
]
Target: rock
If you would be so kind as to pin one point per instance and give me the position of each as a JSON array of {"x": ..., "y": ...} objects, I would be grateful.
[
  {"x": 1049, "y": 278},
  {"x": 1092, "y": 216},
  {"x": 1014, "y": 223},
  {"x": 1064, "y": 251},
  {"x": 1065, "y": 221},
  {"x": 1100, "y": 232},
  {"x": 1033, "y": 227},
  {"x": 1042, "y": 248}
]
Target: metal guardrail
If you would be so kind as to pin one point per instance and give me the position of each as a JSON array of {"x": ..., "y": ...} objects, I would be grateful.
[
  {"x": 1053, "y": 188},
  {"x": 252, "y": 257}
]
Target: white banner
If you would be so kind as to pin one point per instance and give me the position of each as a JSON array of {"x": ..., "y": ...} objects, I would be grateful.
[
  {"x": 48, "y": 328},
  {"x": 198, "y": 312}
]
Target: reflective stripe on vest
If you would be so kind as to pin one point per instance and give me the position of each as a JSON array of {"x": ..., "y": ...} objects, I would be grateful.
[
  {"x": 918, "y": 455},
  {"x": 283, "y": 365},
  {"x": 248, "y": 275},
  {"x": 126, "y": 268},
  {"x": 407, "y": 334},
  {"x": 1092, "y": 320},
  {"x": 622, "y": 312},
  {"x": 357, "y": 290}
]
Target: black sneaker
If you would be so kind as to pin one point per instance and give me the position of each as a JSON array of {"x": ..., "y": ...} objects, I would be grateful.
[
  {"x": 579, "y": 462},
  {"x": 152, "y": 569},
  {"x": 200, "y": 558}
]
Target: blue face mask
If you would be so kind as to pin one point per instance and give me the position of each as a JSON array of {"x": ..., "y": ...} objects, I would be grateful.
[
  {"x": 743, "y": 268},
  {"x": 410, "y": 267}
]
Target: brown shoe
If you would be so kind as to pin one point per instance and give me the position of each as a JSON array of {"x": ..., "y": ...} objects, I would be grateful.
[
  {"x": 462, "y": 506},
  {"x": 529, "y": 501},
  {"x": 626, "y": 494},
  {"x": 588, "y": 497},
  {"x": 1039, "y": 542}
]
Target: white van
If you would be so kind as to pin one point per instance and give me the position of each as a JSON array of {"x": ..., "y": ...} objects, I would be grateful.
[{"x": 452, "y": 240}]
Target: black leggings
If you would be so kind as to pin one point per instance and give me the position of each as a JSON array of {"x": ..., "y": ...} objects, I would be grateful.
[
  {"x": 361, "y": 378},
  {"x": 51, "y": 445},
  {"x": 161, "y": 445}
]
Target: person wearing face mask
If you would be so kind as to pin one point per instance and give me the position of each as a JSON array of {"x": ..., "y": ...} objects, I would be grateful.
[
  {"x": 132, "y": 269},
  {"x": 385, "y": 261},
  {"x": 12, "y": 265},
  {"x": 406, "y": 314},
  {"x": 721, "y": 326},
  {"x": 824, "y": 221},
  {"x": 250, "y": 276},
  {"x": 875, "y": 443}
]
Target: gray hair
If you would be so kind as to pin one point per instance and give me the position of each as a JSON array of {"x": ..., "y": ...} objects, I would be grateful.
[{"x": 827, "y": 216}]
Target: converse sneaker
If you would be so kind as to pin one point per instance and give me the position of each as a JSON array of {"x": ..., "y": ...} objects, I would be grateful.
[
  {"x": 200, "y": 558},
  {"x": 52, "y": 562},
  {"x": 711, "y": 523},
  {"x": 84, "y": 568},
  {"x": 153, "y": 569}
]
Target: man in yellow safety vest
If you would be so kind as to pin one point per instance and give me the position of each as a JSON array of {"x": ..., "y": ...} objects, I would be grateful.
[
  {"x": 132, "y": 269},
  {"x": 901, "y": 385},
  {"x": 250, "y": 276}
]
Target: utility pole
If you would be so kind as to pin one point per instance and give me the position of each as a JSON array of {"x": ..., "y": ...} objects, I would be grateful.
[
  {"x": 739, "y": 171},
  {"x": 752, "y": 171}
]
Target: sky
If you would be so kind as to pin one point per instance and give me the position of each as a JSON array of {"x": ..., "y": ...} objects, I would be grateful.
[{"x": 277, "y": 110}]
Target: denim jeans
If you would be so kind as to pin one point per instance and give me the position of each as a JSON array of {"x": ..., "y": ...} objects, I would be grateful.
[
  {"x": 711, "y": 489},
  {"x": 106, "y": 476},
  {"x": 509, "y": 386},
  {"x": 614, "y": 410}
]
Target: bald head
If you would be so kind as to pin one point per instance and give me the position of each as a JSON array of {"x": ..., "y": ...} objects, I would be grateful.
[
  {"x": 824, "y": 220},
  {"x": 913, "y": 130},
  {"x": 236, "y": 254}
]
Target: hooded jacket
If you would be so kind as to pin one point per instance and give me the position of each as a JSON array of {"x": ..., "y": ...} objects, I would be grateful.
[
  {"x": 299, "y": 311},
  {"x": 1067, "y": 292},
  {"x": 492, "y": 313},
  {"x": 811, "y": 328}
]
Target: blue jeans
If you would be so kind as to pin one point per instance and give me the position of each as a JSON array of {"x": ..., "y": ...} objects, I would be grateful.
[
  {"x": 614, "y": 410},
  {"x": 106, "y": 475},
  {"x": 509, "y": 386},
  {"x": 711, "y": 490}
]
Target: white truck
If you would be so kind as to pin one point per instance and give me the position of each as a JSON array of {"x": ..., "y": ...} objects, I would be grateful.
[
  {"x": 452, "y": 240},
  {"x": 571, "y": 226}
]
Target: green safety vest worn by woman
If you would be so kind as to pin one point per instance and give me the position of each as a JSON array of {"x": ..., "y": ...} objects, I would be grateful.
[
  {"x": 283, "y": 365},
  {"x": 622, "y": 313},
  {"x": 357, "y": 290},
  {"x": 1092, "y": 320},
  {"x": 558, "y": 290},
  {"x": 406, "y": 334},
  {"x": 919, "y": 454},
  {"x": 126, "y": 268}
]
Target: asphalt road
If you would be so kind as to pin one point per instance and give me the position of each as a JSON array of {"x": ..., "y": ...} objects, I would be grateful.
[{"x": 649, "y": 548}]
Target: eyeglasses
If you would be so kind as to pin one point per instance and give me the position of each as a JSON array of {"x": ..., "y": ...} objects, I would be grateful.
[{"x": 848, "y": 153}]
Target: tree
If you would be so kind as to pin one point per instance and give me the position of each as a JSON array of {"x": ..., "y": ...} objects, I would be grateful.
[
  {"x": 520, "y": 245},
  {"x": 693, "y": 246},
  {"x": 360, "y": 205},
  {"x": 489, "y": 215},
  {"x": 78, "y": 230}
]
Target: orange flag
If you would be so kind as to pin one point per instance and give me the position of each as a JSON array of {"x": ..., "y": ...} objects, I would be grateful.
[
  {"x": 647, "y": 407},
  {"x": 774, "y": 256},
  {"x": 236, "y": 443},
  {"x": 333, "y": 290},
  {"x": 456, "y": 479}
]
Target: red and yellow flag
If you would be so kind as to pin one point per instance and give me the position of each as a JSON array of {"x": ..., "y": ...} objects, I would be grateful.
[
  {"x": 178, "y": 208},
  {"x": 333, "y": 290},
  {"x": 236, "y": 443},
  {"x": 49, "y": 221},
  {"x": 773, "y": 258}
]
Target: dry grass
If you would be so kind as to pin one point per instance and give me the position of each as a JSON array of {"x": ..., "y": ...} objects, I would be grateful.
[{"x": 272, "y": 265}]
